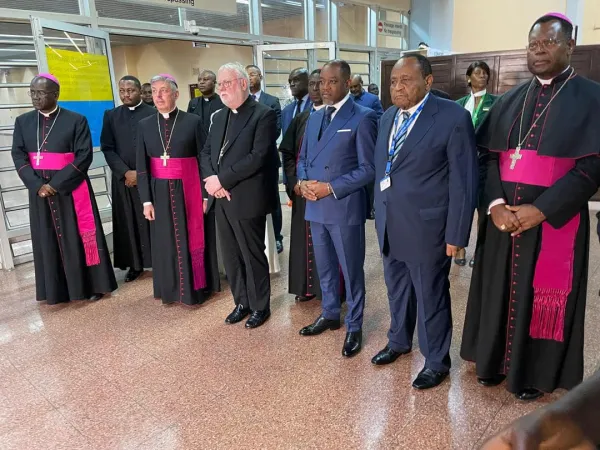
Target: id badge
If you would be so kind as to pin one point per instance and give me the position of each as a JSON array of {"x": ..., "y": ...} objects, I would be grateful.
[{"x": 385, "y": 183}]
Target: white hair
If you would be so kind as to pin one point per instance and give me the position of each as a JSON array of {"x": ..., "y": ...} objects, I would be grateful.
[
  {"x": 170, "y": 82},
  {"x": 239, "y": 70}
]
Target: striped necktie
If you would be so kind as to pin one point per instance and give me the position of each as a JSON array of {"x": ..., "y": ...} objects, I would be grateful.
[{"x": 400, "y": 140}]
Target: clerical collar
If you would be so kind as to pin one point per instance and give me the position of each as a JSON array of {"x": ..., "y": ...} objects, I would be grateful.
[
  {"x": 50, "y": 113},
  {"x": 557, "y": 78},
  {"x": 133, "y": 108},
  {"x": 167, "y": 115},
  {"x": 208, "y": 99},
  {"x": 237, "y": 110}
]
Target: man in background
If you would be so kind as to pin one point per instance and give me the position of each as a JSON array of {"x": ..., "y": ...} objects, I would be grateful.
[
  {"x": 298, "y": 81},
  {"x": 373, "y": 89},
  {"x": 147, "y": 94},
  {"x": 256, "y": 93},
  {"x": 118, "y": 141},
  {"x": 206, "y": 105},
  {"x": 364, "y": 98}
]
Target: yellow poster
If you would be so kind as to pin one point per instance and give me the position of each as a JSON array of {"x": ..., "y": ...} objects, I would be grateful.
[{"x": 82, "y": 76}]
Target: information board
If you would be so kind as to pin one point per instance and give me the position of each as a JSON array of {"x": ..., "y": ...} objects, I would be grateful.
[{"x": 85, "y": 85}]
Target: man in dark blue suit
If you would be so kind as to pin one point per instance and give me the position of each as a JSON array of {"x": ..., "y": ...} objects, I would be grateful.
[
  {"x": 334, "y": 166},
  {"x": 256, "y": 92},
  {"x": 298, "y": 81},
  {"x": 425, "y": 190},
  {"x": 364, "y": 98}
]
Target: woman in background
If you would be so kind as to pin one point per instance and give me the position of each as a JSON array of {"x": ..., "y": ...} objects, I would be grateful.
[{"x": 478, "y": 103}]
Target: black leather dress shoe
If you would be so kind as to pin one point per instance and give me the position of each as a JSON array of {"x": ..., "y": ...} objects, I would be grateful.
[
  {"x": 472, "y": 263},
  {"x": 320, "y": 325},
  {"x": 132, "y": 275},
  {"x": 428, "y": 379},
  {"x": 387, "y": 356},
  {"x": 237, "y": 315},
  {"x": 492, "y": 381},
  {"x": 279, "y": 247},
  {"x": 529, "y": 395},
  {"x": 304, "y": 298},
  {"x": 258, "y": 318},
  {"x": 462, "y": 262},
  {"x": 352, "y": 344},
  {"x": 95, "y": 297}
]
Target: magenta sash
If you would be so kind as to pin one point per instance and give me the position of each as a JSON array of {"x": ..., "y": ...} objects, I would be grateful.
[
  {"x": 553, "y": 277},
  {"x": 82, "y": 202},
  {"x": 186, "y": 170}
]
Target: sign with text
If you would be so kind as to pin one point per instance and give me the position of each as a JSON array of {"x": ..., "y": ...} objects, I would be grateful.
[
  {"x": 387, "y": 28},
  {"x": 222, "y": 6}
]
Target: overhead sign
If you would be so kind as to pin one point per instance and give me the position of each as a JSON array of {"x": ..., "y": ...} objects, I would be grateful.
[
  {"x": 387, "y": 28},
  {"x": 222, "y": 6}
]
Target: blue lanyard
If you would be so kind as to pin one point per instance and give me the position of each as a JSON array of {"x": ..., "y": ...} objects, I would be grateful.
[{"x": 403, "y": 129}]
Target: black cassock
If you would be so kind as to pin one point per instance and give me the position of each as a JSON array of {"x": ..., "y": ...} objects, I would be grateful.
[
  {"x": 131, "y": 230},
  {"x": 172, "y": 282},
  {"x": 303, "y": 277},
  {"x": 510, "y": 328},
  {"x": 61, "y": 273}
]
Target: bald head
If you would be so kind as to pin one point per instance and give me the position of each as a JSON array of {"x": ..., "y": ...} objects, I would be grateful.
[{"x": 356, "y": 85}]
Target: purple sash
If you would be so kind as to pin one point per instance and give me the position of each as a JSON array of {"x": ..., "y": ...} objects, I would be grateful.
[
  {"x": 186, "y": 170},
  {"x": 553, "y": 277},
  {"x": 81, "y": 201}
]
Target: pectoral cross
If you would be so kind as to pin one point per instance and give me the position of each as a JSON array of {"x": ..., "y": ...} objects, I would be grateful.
[
  {"x": 515, "y": 157},
  {"x": 165, "y": 157},
  {"x": 37, "y": 158}
]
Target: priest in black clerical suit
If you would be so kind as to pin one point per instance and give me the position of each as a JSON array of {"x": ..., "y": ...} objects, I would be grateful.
[
  {"x": 171, "y": 190},
  {"x": 131, "y": 230},
  {"x": 206, "y": 105},
  {"x": 52, "y": 152},
  {"x": 526, "y": 308},
  {"x": 238, "y": 164}
]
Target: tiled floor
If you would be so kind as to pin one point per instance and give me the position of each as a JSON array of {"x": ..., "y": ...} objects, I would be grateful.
[{"x": 127, "y": 372}]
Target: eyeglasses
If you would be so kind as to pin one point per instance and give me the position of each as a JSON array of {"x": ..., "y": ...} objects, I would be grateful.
[
  {"x": 546, "y": 44},
  {"x": 40, "y": 94},
  {"x": 226, "y": 84}
]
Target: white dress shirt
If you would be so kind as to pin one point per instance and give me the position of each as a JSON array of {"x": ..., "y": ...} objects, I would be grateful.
[
  {"x": 302, "y": 105},
  {"x": 411, "y": 111},
  {"x": 470, "y": 105},
  {"x": 256, "y": 94}
]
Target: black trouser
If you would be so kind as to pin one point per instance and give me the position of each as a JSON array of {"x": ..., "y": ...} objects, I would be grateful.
[
  {"x": 278, "y": 220},
  {"x": 370, "y": 197},
  {"x": 246, "y": 265}
]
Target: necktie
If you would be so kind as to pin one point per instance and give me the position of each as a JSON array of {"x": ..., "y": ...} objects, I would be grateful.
[
  {"x": 402, "y": 137},
  {"x": 298, "y": 105},
  {"x": 253, "y": 97},
  {"x": 327, "y": 119}
]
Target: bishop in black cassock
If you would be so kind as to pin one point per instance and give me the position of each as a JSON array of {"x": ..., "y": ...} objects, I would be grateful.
[
  {"x": 52, "y": 152},
  {"x": 526, "y": 307},
  {"x": 169, "y": 143},
  {"x": 131, "y": 230}
]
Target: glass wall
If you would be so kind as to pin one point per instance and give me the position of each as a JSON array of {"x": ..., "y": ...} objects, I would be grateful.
[
  {"x": 283, "y": 18},
  {"x": 321, "y": 20},
  {"x": 352, "y": 24},
  {"x": 359, "y": 63}
]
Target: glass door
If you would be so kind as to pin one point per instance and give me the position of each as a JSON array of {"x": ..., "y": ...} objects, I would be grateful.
[
  {"x": 80, "y": 58},
  {"x": 278, "y": 60}
]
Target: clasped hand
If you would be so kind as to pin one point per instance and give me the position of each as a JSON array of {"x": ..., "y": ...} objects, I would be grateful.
[
  {"x": 314, "y": 190},
  {"x": 214, "y": 188},
  {"x": 47, "y": 191},
  {"x": 516, "y": 219}
]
